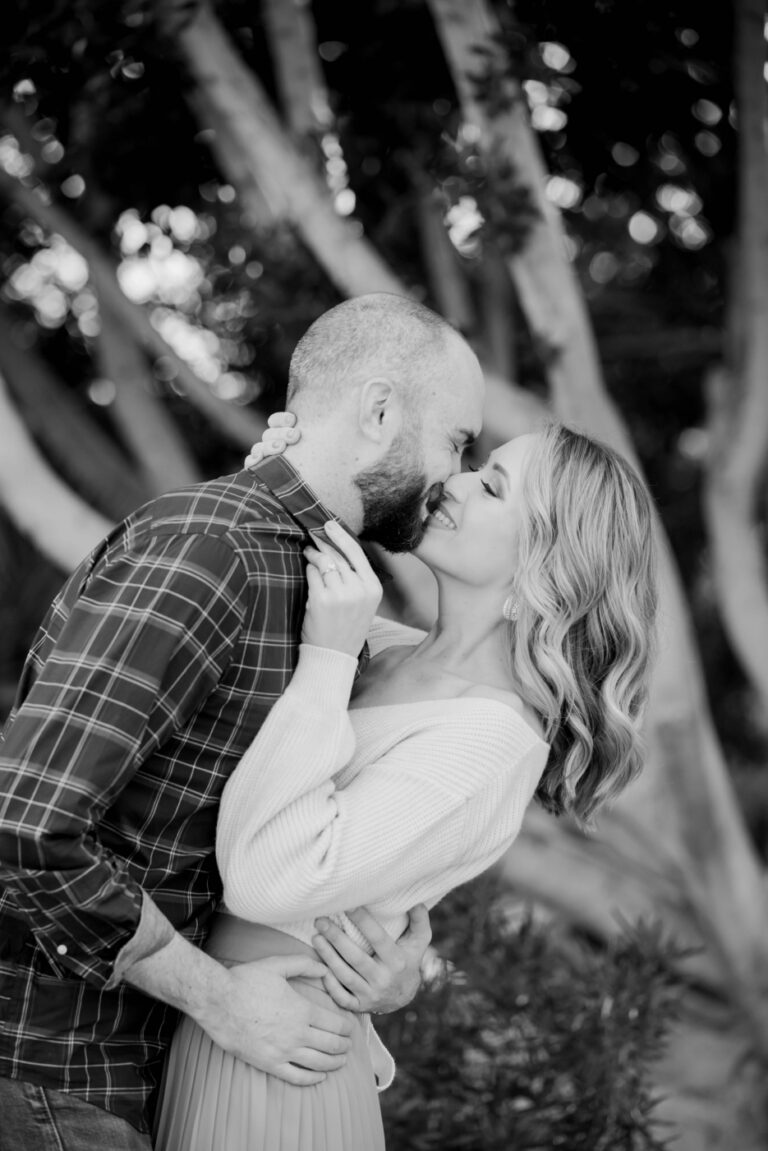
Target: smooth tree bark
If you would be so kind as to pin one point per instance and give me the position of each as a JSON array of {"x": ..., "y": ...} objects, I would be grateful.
[
  {"x": 145, "y": 425},
  {"x": 59, "y": 523},
  {"x": 237, "y": 425},
  {"x": 497, "y": 314},
  {"x": 446, "y": 279},
  {"x": 302, "y": 91},
  {"x": 558, "y": 318},
  {"x": 267, "y": 159},
  {"x": 738, "y": 389}
]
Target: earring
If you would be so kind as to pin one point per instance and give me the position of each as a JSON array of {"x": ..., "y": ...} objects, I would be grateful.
[{"x": 511, "y": 609}]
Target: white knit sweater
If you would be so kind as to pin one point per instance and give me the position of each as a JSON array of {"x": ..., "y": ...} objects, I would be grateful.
[{"x": 386, "y": 806}]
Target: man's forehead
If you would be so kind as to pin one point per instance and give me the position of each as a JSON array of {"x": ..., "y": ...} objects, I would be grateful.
[{"x": 462, "y": 417}]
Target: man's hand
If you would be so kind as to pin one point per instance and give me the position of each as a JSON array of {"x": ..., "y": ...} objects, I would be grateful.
[
  {"x": 268, "y": 1024},
  {"x": 251, "y": 1010},
  {"x": 376, "y": 983}
]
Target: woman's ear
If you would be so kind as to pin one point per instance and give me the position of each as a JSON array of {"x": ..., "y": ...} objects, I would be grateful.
[{"x": 380, "y": 415}]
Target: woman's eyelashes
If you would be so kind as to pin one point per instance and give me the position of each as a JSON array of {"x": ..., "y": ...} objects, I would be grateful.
[{"x": 483, "y": 484}]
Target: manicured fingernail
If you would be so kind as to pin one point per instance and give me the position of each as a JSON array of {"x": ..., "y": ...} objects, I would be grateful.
[{"x": 331, "y": 524}]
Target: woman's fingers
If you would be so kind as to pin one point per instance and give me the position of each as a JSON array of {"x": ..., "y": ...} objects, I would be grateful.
[
  {"x": 314, "y": 582},
  {"x": 384, "y": 946},
  {"x": 350, "y": 980},
  {"x": 339, "y": 993},
  {"x": 351, "y": 549},
  {"x": 278, "y": 434},
  {"x": 281, "y": 420},
  {"x": 327, "y": 561}
]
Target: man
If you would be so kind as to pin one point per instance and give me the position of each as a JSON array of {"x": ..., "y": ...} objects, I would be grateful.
[{"x": 150, "y": 676}]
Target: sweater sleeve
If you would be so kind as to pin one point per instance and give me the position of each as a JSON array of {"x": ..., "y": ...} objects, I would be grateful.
[{"x": 292, "y": 844}]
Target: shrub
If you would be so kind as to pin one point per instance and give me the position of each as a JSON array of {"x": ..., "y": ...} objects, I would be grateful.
[{"x": 528, "y": 1037}]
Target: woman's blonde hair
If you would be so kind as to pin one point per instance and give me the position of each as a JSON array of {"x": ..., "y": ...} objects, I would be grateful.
[{"x": 585, "y": 583}]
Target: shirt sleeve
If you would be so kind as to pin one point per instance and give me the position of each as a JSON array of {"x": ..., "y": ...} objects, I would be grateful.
[
  {"x": 145, "y": 642},
  {"x": 292, "y": 844}
]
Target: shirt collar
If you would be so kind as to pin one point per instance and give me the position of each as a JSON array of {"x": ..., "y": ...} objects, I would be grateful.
[
  {"x": 302, "y": 504},
  {"x": 294, "y": 494},
  {"x": 304, "y": 507}
]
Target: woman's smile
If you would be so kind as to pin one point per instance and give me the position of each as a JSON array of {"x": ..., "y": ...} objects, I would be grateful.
[{"x": 440, "y": 518}]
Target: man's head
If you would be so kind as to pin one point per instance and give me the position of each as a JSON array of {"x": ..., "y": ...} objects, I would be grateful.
[{"x": 393, "y": 394}]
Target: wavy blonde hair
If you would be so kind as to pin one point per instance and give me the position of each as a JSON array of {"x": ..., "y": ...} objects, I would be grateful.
[{"x": 582, "y": 642}]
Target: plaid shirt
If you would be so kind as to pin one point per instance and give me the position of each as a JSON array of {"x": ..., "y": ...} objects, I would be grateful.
[{"x": 150, "y": 676}]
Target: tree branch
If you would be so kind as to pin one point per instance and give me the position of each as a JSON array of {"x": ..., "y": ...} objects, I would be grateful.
[
  {"x": 58, "y": 522},
  {"x": 738, "y": 393},
  {"x": 81, "y": 451}
]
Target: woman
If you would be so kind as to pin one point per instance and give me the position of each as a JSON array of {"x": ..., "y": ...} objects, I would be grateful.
[{"x": 531, "y": 683}]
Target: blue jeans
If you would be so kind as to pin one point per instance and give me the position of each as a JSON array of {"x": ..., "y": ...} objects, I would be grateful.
[{"x": 34, "y": 1118}]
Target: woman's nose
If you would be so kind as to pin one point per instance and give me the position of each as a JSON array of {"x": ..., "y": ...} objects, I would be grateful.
[
  {"x": 461, "y": 481},
  {"x": 455, "y": 487}
]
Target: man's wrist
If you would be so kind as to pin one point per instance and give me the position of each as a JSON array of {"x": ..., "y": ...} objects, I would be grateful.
[
  {"x": 155, "y": 931},
  {"x": 184, "y": 977}
]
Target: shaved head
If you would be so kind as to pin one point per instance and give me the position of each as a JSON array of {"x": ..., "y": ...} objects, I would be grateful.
[
  {"x": 380, "y": 334},
  {"x": 387, "y": 395}
]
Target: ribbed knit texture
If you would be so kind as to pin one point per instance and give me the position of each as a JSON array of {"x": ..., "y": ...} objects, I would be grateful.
[{"x": 384, "y": 806}]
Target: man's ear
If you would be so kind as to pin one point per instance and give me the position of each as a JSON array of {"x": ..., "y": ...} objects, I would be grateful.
[{"x": 380, "y": 413}]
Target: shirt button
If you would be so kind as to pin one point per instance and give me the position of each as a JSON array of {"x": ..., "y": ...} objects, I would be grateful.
[{"x": 62, "y": 949}]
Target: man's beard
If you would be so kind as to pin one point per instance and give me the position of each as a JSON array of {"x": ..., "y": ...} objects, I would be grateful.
[{"x": 393, "y": 492}]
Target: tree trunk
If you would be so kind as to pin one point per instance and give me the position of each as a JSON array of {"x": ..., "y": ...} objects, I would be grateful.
[
  {"x": 445, "y": 276},
  {"x": 72, "y": 440},
  {"x": 274, "y": 166},
  {"x": 236, "y": 424},
  {"x": 497, "y": 315},
  {"x": 58, "y": 522},
  {"x": 557, "y": 318},
  {"x": 738, "y": 393},
  {"x": 145, "y": 425},
  {"x": 299, "y": 74}
]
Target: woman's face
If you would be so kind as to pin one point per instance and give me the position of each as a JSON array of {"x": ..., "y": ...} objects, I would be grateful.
[{"x": 473, "y": 534}]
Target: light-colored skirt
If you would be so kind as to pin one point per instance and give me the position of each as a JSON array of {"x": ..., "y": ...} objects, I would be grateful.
[{"x": 212, "y": 1101}]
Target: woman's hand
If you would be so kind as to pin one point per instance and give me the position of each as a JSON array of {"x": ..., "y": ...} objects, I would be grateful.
[
  {"x": 377, "y": 983},
  {"x": 280, "y": 431},
  {"x": 344, "y": 593}
]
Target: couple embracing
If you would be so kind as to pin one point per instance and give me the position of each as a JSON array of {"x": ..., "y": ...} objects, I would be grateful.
[{"x": 229, "y": 791}]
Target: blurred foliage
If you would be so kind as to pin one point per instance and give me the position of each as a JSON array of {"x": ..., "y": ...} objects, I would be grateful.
[{"x": 528, "y": 1038}]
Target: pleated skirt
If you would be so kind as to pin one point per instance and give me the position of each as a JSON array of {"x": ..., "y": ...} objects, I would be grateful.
[{"x": 212, "y": 1101}]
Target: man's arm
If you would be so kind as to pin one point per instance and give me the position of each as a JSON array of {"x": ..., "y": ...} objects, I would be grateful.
[
  {"x": 145, "y": 643},
  {"x": 250, "y": 1010}
]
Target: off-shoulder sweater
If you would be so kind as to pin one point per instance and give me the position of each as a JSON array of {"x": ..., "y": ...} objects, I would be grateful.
[{"x": 388, "y": 805}]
